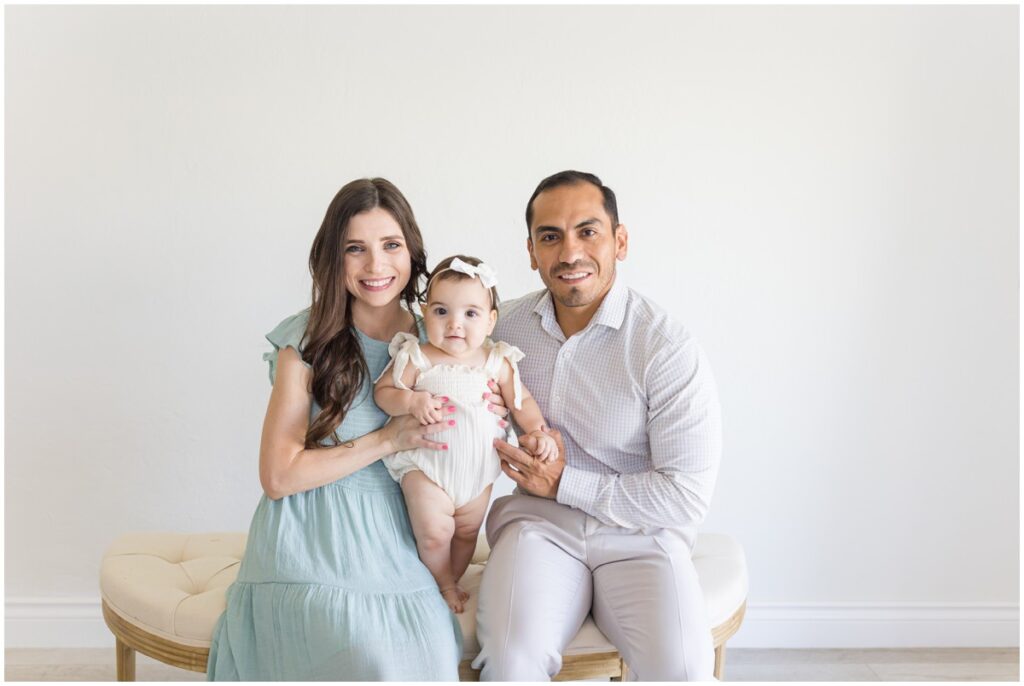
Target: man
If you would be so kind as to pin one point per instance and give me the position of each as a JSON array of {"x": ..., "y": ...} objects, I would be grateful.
[{"x": 607, "y": 528}]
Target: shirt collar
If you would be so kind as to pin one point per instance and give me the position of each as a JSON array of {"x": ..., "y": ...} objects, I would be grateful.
[
  {"x": 545, "y": 307},
  {"x": 611, "y": 313}
]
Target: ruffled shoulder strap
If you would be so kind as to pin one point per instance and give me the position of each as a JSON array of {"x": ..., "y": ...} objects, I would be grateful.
[
  {"x": 288, "y": 333},
  {"x": 404, "y": 348},
  {"x": 500, "y": 352}
]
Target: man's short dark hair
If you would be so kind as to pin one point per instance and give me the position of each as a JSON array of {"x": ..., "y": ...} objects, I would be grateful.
[{"x": 571, "y": 178}]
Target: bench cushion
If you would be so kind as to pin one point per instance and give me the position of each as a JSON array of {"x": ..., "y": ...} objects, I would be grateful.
[{"x": 173, "y": 585}]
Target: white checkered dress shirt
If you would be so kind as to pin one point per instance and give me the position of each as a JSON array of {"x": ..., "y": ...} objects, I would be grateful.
[{"x": 636, "y": 403}]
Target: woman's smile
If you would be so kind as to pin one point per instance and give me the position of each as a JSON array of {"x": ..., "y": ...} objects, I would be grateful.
[{"x": 377, "y": 285}]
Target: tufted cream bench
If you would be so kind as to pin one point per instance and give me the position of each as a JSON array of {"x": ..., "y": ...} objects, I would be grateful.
[{"x": 163, "y": 593}]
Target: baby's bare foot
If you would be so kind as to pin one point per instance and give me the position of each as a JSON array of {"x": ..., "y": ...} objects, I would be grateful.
[
  {"x": 452, "y": 597},
  {"x": 463, "y": 596}
]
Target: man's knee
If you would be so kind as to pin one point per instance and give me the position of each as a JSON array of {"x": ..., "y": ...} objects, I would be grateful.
[
  {"x": 517, "y": 660},
  {"x": 673, "y": 663}
]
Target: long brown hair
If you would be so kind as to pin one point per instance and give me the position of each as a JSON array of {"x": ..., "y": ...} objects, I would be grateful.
[{"x": 331, "y": 345}]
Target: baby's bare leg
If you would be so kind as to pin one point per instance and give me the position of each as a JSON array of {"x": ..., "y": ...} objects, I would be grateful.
[
  {"x": 431, "y": 514},
  {"x": 468, "y": 519}
]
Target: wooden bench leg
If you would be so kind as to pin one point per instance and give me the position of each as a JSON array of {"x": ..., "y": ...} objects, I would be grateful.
[
  {"x": 125, "y": 662},
  {"x": 622, "y": 671},
  {"x": 719, "y": 661}
]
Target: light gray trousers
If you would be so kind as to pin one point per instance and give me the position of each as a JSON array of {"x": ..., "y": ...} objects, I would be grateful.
[{"x": 550, "y": 565}]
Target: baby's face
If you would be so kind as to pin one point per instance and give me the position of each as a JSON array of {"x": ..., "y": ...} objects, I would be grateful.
[{"x": 458, "y": 316}]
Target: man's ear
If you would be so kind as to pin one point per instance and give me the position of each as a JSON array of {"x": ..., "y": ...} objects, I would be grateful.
[
  {"x": 621, "y": 242},
  {"x": 529, "y": 249}
]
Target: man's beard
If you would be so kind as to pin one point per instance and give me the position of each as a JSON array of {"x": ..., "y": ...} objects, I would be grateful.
[
  {"x": 574, "y": 298},
  {"x": 577, "y": 297}
]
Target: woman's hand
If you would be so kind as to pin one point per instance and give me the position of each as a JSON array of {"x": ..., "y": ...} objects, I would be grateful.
[
  {"x": 495, "y": 403},
  {"x": 406, "y": 433}
]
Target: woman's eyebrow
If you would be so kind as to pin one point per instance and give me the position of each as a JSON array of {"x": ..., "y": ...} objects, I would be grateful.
[{"x": 386, "y": 238}]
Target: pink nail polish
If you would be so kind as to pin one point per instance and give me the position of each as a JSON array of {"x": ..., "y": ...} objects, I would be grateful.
[
  {"x": 502, "y": 423},
  {"x": 446, "y": 446},
  {"x": 451, "y": 422},
  {"x": 444, "y": 399},
  {"x": 451, "y": 408},
  {"x": 486, "y": 396},
  {"x": 490, "y": 407}
]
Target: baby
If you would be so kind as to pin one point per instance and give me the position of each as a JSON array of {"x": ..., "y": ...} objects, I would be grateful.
[{"x": 447, "y": 492}]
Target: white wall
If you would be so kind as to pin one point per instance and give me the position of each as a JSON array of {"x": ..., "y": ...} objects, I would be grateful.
[{"x": 826, "y": 196}]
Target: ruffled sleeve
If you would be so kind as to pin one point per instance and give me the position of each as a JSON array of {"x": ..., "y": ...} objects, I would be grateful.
[
  {"x": 503, "y": 351},
  {"x": 404, "y": 348},
  {"x": 288, "y": 333}
]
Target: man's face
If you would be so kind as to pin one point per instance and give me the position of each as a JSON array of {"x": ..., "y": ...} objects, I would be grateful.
[{"x": 572, "y": 244}]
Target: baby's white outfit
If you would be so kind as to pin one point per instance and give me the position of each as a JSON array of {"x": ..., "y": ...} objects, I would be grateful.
[{"x": 471, "y": 463}]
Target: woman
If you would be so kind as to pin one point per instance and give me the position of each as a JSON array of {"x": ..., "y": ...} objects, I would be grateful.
[{"x": 331, "y": 586}]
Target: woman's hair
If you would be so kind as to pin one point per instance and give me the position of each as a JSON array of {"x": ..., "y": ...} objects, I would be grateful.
[
  {"x": 331, "y": 346},
  {"x": 451, "y": 275}
]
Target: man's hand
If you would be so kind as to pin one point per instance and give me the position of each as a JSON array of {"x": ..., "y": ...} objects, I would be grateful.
[{"x": 534, "y": 475}]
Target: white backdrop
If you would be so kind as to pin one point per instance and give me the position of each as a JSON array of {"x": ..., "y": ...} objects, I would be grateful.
[{"x": 826, "y": 196}]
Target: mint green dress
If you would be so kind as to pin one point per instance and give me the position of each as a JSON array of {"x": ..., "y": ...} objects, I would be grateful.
[{"x": 331, "y": 587}]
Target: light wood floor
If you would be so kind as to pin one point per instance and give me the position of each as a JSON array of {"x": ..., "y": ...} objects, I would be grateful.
[{"x": 923, "y": 664}]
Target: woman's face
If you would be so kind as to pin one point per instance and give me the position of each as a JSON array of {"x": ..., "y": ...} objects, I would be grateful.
[{"x": 377, "y": 261}]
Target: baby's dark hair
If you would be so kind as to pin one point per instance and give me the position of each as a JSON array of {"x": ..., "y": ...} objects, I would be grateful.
[{"x": 443, "y": 272}]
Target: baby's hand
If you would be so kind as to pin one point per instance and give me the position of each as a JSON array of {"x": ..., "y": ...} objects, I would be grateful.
[
  {"x": 426, "y": 407},
  {"x": 547, "y": 449}
]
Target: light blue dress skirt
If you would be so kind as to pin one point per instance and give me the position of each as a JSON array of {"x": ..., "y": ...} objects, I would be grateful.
[{"x": 331, "y": 587}]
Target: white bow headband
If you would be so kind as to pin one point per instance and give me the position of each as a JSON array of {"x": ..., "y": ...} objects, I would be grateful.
[{"x": 488, "y": 277}]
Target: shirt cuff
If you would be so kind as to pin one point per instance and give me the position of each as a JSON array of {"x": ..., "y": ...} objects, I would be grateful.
[{"x": 578, "y": 488}]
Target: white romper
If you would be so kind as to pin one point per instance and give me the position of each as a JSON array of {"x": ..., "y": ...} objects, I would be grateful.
[{"x": 471, "y": 463}]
